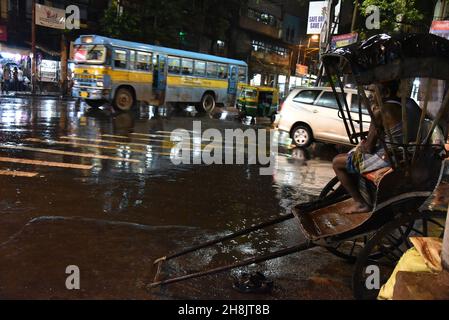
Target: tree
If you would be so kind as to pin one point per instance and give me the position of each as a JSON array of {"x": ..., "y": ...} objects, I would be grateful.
[
  {"x": 174, "y": 23},
  {"x": 119, "y": 23},
  {"x": 162, "y": 21},
  {"x": 395, "y": 15},
  {"x": 218, "y": 17}
]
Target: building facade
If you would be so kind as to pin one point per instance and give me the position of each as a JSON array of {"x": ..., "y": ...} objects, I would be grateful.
[
  {"x": 266, "y": 37},
  {"x": 51, "y": 44}
]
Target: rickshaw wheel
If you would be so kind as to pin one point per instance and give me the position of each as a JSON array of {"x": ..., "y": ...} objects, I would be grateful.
[
  {"x": 384, "y": 249},
  {"x": 349, "y": 250},
  {"x": 331, "y": 188}
]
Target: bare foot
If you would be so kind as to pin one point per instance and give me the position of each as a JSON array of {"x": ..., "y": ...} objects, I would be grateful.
[{"x": 358, "y": 207}]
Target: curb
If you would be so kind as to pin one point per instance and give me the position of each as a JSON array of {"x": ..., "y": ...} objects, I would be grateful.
[{"x": 38, "y": 96}]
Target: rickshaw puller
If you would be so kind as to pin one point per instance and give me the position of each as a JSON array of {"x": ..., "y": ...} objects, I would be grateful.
[{"x": 370, "y": 155}]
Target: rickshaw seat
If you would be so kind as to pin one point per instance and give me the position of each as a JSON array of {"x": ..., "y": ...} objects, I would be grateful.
[{"x": 377, "y": 175}]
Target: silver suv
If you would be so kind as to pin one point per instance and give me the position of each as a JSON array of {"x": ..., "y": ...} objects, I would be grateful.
[{"x": 312, "y": 114}]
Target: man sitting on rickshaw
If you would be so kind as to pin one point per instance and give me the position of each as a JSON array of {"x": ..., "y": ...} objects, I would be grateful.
[{"x": 370, "y": 154}]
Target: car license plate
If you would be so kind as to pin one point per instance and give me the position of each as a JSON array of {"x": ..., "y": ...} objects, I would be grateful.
[{"x": 84, "y": 94}]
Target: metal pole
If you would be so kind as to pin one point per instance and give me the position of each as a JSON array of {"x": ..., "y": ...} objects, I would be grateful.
[
  {"x": 63, "y": 72},
  {"x": 354, "y": 15},
  {"x": 444, "y": 109},
  {"x": 229, "y": 237},
  {"x": 33, "y": 47},
  {"x": 271, "y": 256}
]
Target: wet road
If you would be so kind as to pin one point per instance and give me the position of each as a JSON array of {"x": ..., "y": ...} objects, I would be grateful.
[{"x": 99, "y": 190}]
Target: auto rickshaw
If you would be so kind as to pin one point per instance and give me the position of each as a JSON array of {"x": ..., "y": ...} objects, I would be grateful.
[
  {"x": 403, "y": 197},
  {"x": 256, "y": 101}
]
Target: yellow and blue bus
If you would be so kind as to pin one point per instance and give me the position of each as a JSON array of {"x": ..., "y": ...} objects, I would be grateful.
[{"x": 123, "y": 72}]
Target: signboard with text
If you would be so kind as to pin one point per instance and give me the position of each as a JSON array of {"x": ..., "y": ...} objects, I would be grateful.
[
  {"x": 302, "y": 70},
  {"x": 50, "y": 17},
  {"x": 317, "y": 16},
  {"x": 440, "y": 28},
  {"x": 344, "y": 40},
  {"x": 48, "y": 70}
]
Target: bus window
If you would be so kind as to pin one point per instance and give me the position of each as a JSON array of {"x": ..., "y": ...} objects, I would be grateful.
[
  {"x": 120, "y": 60},
  {"x": 174, "y": 65},
  {"x": 211, "y": 70},
  {"x": 187, "y": 67},
  {"x": 222, "y": 71},
  {"x": 132, "y": 59},
  {"x": 143, "y": 62},
  {"x": 94, "y": 54},
  {"x": 200, "y": 68},
  {"x": 242, "y": 74}
]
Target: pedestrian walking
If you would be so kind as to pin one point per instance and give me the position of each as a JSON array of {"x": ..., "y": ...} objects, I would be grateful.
[
  {"x": 20, "y": 79},
  {"x": 6, "y": 79},
  {"x": 15, "y": 79}
]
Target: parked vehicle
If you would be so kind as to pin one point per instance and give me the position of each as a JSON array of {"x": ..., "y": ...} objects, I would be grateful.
[
  {"x": 258, "y": 101},
  {"x": 312, "y": 114}
]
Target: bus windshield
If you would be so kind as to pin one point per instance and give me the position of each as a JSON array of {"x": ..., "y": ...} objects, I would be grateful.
[{"x": 91, "y": 54}]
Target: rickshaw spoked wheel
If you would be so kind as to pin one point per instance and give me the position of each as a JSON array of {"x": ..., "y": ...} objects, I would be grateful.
[
  {"x": 386, "y": 246},
  {"x": 331, "y": 189}
]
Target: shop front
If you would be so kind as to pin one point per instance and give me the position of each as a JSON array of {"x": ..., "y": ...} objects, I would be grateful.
[
  {"x": 16, "y": 62},
  {"x": 15, "y": 68}
]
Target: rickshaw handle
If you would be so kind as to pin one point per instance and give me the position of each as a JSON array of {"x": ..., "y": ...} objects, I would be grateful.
[{"x": 271, "y": 256}]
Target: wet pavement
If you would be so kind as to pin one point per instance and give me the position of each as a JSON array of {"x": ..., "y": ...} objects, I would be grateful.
[{"x": 99, "y": 190}]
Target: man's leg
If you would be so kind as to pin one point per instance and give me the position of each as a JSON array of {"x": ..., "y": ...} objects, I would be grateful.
[{"x": 350, "y": 184}]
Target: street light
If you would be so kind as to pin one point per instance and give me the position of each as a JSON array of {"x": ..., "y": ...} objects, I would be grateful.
[
  {"x": 307, "y": 50},
  {"x": 313, "y": 38}
]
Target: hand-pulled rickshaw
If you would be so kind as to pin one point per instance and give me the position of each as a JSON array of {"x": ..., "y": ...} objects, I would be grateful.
[{"x": 403, "y": 195}]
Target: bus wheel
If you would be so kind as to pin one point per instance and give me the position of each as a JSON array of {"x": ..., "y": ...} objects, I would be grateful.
[
  {"x": 207, "y": 103},
  {"x": 124, "y": 99}
]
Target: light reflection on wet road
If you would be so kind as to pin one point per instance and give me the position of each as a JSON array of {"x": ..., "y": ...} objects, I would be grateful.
[{"x": 102, "y": 193}]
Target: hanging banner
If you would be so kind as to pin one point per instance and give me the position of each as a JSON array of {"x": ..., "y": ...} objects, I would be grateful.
[
  {"x": 440, "y": 28},
  {"x": 50, "y": 17},
  {"x": 344, "y": 40},
  {"x": 317, "y": 16}
]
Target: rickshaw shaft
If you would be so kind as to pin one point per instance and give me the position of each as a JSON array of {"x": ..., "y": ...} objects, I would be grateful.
[
  {"x": 231, "y": 236},
  {"x": 255, "y": 260}
]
